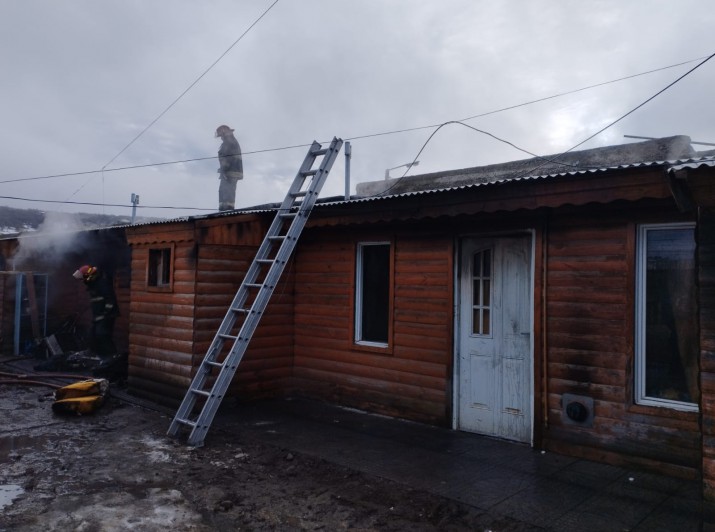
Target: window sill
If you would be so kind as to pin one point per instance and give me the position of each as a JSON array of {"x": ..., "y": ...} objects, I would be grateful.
[
  {"x": 678, "y": 410},
  {"x": 167, "y": 288},
  {"x": 373, "y": 347}
]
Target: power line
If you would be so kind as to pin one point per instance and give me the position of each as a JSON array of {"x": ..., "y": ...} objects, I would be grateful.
[
  {"x": 357, "y": 137},
  {"x": 661, "y": 91},
  {"x": 105, "y": 204},
  {"x": 546, "y": 160},
  {"x": 192, "y": 84},
  {"x": 555, "y": 158}
]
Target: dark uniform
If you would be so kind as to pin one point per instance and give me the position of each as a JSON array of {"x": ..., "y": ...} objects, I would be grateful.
[
  {"x": 105, "y": 310},
  {"x": 230, "y": 170}
]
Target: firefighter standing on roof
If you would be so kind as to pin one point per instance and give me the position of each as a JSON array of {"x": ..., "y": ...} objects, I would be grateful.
[
  {"x": 104, "y": 306},
  {"x": 230, "y": 169}
]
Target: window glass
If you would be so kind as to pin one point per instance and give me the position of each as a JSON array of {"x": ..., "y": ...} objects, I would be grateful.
[
  {"x": 373, "y": 293},
  {"x": 481, "y": 292},
  {"x": 159, "y": 271},
  {"x": 667, "y": 346}
]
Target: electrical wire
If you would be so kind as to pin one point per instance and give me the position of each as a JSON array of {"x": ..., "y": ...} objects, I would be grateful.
[
  {"x": 107, "y": 204},
  {"x": 555, "y": 158},
  {"x": 176, "y": 100},
  {"x": 351, "y": 138},
  {"x": 671, "y": 84},
  {"x": 193, "y": 83},
  {"x": 438, "y": 128}
]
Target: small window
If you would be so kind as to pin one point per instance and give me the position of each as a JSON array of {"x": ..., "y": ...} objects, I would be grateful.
[
  {"x": 666, "y": 317},
  {"x": 481, "y": 292},
  {"x": 372, "y": 294},
  {"x": 159, "y": 269}
]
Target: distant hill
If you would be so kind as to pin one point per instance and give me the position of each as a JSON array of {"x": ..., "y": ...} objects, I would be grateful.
[{"x": 13, "y": 221}]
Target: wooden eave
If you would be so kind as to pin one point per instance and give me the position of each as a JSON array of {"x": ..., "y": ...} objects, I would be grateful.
[
  {"x": 700, "y": 185},
  {"x": 158, "y": 233}
]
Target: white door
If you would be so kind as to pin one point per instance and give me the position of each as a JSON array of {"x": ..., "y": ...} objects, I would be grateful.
[{"x": 494, "y": 366}]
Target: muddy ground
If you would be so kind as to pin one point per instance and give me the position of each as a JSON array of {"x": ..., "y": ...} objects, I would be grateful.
[{"x": 117, "y": 470}]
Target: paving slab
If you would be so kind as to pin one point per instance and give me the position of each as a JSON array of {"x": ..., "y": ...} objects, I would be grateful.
[{"x": 545, "y": 491}]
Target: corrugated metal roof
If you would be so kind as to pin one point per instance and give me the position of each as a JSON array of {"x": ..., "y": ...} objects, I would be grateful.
[
  {"x": 693, "y": 163},
  {"x": 679, "y": 163},
  {"x": 332, "y": 201}
]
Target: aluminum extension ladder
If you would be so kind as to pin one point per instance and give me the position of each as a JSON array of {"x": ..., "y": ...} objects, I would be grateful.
[{"x": 252, "y": 297}]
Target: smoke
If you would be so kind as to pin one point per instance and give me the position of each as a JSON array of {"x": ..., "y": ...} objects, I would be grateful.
[{"x": 56, "y": 236}]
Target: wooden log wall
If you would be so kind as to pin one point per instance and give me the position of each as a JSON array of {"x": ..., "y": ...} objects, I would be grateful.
[
  {"x": 706, "y": 280},
  {"x": 172, "y": 328},
  {"x": 412, "y": 378},
  {"x": 161, "y": 332},
  {"x": 267, "y": 365},
  {"x": 590, "y": 283}
]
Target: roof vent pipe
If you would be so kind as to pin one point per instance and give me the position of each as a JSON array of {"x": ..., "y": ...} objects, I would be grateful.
[{"x": 348, "y": 154}]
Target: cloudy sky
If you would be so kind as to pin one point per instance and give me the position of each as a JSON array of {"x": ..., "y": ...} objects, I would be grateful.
[{"x": 82, "y": 78}]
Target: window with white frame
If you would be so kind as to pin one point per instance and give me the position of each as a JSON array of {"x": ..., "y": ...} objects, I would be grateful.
[
  {"x": 666, "y": 317},
  {"x": 372, "y": 293}
]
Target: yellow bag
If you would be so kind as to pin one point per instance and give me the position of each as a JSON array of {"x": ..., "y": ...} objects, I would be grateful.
[{"x": 80, "y": 398}]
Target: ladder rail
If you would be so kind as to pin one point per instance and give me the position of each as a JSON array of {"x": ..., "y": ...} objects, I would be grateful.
[{"x": 251, "y": 316}]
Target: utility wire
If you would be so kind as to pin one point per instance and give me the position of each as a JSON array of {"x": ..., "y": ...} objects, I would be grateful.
[
  {"x": 357, "y": 137},
  {"x": 661, "y": 91},
  {"x": 105, "y": 204},
  {"x": 439, "y": 127},
  {"x": 555, "y": 158},
  {"x": 173, "y": 103},
  {"x": 192, "y": 84}
]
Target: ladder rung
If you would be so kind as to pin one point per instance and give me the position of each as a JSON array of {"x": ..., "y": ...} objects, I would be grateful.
[{"x": 295, "y": 208}]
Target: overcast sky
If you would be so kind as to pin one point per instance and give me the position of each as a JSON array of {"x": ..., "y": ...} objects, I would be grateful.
[{"x": 81, "y": 78}]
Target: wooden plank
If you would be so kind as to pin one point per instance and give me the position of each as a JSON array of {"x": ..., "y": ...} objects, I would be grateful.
[
  {"x": 368, "y": 383},
  {"x": 372, "y": 360},
  {"x": 374, "y": 401},
  {"x": 597, "y": 326},
  {"x": 149, "y": 330},
  {"x": 385, "y": 375},
  {"x": 590, "y": 374}
]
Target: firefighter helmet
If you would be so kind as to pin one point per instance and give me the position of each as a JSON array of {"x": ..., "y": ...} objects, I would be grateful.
[
  {"x": 223, "y": 130},
  {"x": 86, "y": 272}
]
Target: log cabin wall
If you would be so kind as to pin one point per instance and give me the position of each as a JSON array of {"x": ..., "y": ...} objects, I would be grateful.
[
  {"x": 590, "y": 283},
  {"x": 172, "y": 326},
  {"x": 226, "y": 249},
  {"x": 161, "y": 333},
  {"x": 411, "y": 378},
  {"x": 706, "y": 278},
  {"x": 267, "y": 365}
]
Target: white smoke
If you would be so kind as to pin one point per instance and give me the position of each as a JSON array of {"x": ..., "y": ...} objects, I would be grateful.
[{"x": 57, "y": 235}]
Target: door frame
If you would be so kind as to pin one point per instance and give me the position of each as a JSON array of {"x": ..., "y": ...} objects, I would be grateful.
[{"x": 458, "y": 245}]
